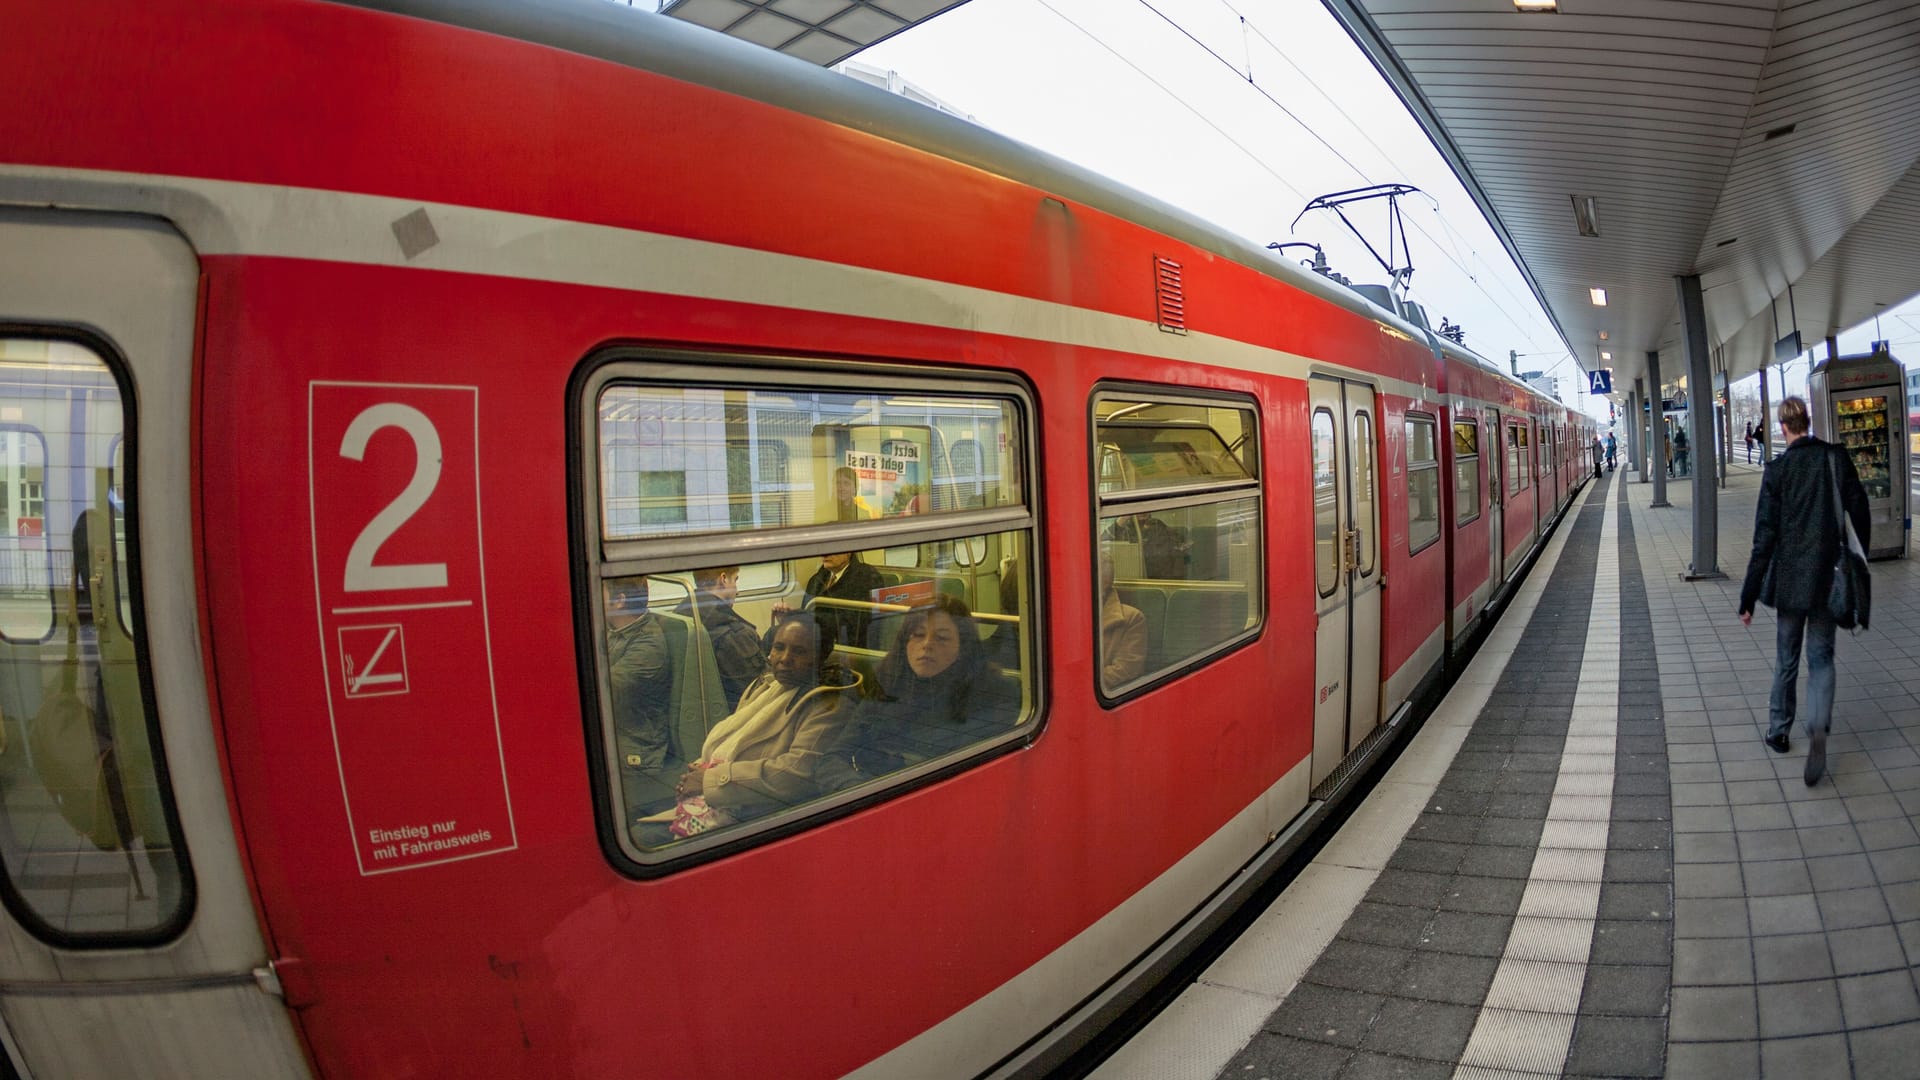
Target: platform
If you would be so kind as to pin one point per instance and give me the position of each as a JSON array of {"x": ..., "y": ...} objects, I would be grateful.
[{"x": 1587, "y": 864}]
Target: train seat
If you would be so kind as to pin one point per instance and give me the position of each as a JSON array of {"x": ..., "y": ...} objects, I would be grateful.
[
  {"x": 698, "y": 701},
  {"x": 1198, "y": 619},
  {"x": 1152, "y": 604}
]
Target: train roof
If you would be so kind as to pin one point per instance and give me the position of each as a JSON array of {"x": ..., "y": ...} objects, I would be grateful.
[{"x": 647, "y": 41}]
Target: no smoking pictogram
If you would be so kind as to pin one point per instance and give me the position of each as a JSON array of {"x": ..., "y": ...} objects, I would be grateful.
[{"x": 373, "y": 660}]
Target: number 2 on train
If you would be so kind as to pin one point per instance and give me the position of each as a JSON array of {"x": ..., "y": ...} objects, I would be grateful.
[{"x": 362, "y": 575}]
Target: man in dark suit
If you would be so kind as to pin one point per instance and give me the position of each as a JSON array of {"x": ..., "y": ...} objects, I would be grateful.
[{"x": 1796, "y": 540}]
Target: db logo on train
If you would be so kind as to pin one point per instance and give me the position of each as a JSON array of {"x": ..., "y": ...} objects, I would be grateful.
[{"x": 394, "y": 486}]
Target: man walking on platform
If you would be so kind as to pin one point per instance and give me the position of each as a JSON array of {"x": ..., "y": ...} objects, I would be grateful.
[{"x": 1796, "y": 540}]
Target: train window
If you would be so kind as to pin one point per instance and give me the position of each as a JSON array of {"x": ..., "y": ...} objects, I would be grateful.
[
  {"x": 1466, "y": 471},
  {"x": 1326, "y": 508},
  {"x": 1423, "y": 482},
  {"x": 868, "y": 630},
  {"x": 1518, "y": 473},
  {"x": 1178, "y": 574},
  {"x": 24, "y": 559},
  {"x": 1363, "y": 491},
  {"x": 687, "y": 460},
  {"x": 88, "y": 840}
]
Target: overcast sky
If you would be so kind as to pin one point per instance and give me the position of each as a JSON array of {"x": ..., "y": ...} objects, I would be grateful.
[{"x": 1240, "y": 111}]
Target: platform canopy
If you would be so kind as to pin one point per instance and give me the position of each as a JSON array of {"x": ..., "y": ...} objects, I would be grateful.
[
  {"x": 1765, "y": 145},
  {"x": 822, "y": 31},
  {"x": 1770, "y": 146}
]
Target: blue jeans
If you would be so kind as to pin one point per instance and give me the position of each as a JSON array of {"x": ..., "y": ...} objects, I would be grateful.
[{"x": 1816, "y": 627}]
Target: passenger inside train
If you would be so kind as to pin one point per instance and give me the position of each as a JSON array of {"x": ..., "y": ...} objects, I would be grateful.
[
  {"x": 935, "y": 691},
  {"x": 927, "y": 486},
  {"x": 766, "y": 755},
  {"x": 736, "y": 645},
  {"x": 641, "y": 673},
  {"x": 847, "y": 584},
  {"x": 1123, "y": 633}
]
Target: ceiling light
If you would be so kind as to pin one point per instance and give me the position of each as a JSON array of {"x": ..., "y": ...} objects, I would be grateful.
[
  {"x": 1537, "y": 7},
  {"x": 1599, "y": 297},
  {"x": 1605, "y": 355},
  {"x": 1603, "y": 335},
  {"x": 1586, "y": 214}
]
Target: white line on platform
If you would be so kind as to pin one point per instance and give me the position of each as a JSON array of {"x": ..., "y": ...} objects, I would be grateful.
[{"x": 1526, "y": 1023}]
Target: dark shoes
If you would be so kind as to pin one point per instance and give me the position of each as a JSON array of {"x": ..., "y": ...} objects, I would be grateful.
[
  {"x": 1777, "y": 743},
  {"x": 1816, "y": 757}
]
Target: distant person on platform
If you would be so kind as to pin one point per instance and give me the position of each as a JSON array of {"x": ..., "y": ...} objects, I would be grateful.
[
  {"x": 1795, "y": 543},
  {"x": 1681, "y": 466},
  {"x": 736, "y": 644},
  {"x": 1599, "y": 454},
  {"x": 1611, "y": 448},
  {"x": 847, "y": 503},
  {"x": 1750, "y": 437}
]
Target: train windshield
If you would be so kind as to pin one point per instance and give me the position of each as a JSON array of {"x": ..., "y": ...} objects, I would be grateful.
[{"x": 88, "y": 843}]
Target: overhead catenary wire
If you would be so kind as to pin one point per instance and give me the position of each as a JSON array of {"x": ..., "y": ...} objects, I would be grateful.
[
  {"x": 1246, "y": 76},
  {"x": 1143, "y": 73}
]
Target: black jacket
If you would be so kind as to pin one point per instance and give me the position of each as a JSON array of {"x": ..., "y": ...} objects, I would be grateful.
[{"x": 1795, "y": 536}]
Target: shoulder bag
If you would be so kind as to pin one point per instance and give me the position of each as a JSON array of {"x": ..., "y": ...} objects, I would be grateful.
[{"x": 1850, "y": 597}]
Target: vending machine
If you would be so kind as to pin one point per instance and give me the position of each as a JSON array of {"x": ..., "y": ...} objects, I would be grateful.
[{"x": 1860, "y": 402}]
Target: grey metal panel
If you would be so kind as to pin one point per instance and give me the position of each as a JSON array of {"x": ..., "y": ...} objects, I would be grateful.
[
  {"x": 134, "y": 281},
  {"x": 225, "y": 1031}
]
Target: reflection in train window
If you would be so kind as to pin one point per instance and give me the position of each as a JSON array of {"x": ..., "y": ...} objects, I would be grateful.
[
  {"x": 1466, "y": 471},
  {"x": 1519, "y": 476},
  {"x": 1177, "y": 570},
  {"x": 808, "y": 673},
  {"x": 1154, "y": 445},
  {"x": 88, "y": 838},
  {"x": 679, "y": 460},
  {"x": 26, "y": 567},
  {"x": 1423, "y": 482},
  {"x": 1326, "y": 509},
  {"x": 1363, "y": 492}
]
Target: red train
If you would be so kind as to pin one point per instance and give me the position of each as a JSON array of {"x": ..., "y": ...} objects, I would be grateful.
[{"x": 417, "y": 427}]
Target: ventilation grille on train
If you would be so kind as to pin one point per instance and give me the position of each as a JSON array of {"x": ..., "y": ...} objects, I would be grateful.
[{"x": 1169, "y": 296}]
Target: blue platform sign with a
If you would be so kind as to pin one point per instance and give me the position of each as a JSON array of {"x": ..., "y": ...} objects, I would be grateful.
[{"x": 1600, "y": 381}]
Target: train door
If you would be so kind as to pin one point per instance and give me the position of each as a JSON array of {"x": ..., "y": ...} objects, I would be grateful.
[
  {"x": 1346, "y": 534},
  {"x": 1548, "y": 480},
  {"x": 128, "y": 944},
  {"x": 1496, "y": 455}
]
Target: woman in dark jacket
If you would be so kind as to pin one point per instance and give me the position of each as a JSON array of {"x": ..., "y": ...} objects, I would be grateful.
[
  {"x": 1796, "y": 540},
  {"x": 936, "y": 693}
]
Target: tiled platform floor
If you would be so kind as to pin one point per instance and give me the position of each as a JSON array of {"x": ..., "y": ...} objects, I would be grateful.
[{"x": 1745, "y": 925}]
